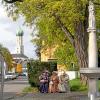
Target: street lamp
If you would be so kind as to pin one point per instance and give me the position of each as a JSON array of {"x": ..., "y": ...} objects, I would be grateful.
[{"x": 2, "y": 75}]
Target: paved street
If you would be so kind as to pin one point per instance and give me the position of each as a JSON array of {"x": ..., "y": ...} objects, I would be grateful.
[
  {"x": 52, "y": 96},
  {"x": 19, "y": 80},
  {"x": 13, "y": 88},
  {"x": 16, "y": 85}
]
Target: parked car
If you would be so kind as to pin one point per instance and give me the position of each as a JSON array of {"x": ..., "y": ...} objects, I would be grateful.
[
  {"x": 25, "y": 74},
  {"x": 10, "y": 76}
]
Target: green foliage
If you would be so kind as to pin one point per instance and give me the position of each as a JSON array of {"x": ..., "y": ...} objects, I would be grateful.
[
  {"x": 65, "y": 55},
  {"x": 75, "y": 85},
  {"x": 30, "y": 90},
  {"x": 35, "y": 68},
  {"x": 70, "y": 12},
  {"x": 7, "y": 56}
]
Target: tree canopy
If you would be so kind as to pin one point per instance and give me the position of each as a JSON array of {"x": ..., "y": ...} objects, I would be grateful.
[
  {"x": 7, "y": 56},
  {"x": 59, "y": 22}
]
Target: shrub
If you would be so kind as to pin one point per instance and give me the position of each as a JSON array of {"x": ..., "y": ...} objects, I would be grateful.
[
  {"x": 75, "y": 85},
  {"x": 30, "y": 89},
  {"x": 35, "y": 68},
  {"x": 74, "y": 88}
]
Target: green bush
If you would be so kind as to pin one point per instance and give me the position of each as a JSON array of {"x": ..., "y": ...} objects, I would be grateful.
[
  {"x": 74, "y": 88},
  {"x": 75, "y": 85},
  {"x": 30, "y": 90},
  {"x": 35, "y": 68}
]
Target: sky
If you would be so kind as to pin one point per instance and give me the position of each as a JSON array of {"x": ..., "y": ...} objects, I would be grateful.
[{"x": 8, "y": 30}]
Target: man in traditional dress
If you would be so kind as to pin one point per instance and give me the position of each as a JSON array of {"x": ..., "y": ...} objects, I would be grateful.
[
  {"x": 64, "y": 83},
  {"x": 44, "y": 81},
  {"x": 54, "y": 81}
]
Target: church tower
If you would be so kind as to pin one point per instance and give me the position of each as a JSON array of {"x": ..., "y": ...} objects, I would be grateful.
[{"x": 20, "y": 47}]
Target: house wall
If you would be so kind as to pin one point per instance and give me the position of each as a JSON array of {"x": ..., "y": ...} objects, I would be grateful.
[
  {"x": 48, "y": 53},
  {"x": 72, "y": 74}
]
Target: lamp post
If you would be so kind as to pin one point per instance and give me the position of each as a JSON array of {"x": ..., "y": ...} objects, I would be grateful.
[{"x": 2, "y": 75}]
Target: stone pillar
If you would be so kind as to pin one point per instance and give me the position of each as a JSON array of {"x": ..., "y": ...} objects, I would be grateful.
[{"x": 92, "y": 51}]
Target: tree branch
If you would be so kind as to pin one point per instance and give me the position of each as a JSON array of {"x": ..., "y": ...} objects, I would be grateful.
[
  {"x": 65, "y": 30},
  {"x": 96, "y": 3},
  {"x": 12, "y": 1}
]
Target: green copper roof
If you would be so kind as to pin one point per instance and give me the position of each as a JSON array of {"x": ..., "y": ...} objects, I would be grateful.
[{"x": 20, "y": 32}]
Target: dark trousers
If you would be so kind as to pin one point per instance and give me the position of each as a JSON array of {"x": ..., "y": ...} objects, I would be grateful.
[{"x": 44, "y": 87}]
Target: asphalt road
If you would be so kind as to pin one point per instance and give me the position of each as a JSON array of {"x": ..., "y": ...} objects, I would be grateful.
[
  {"x": 19, "y": 80},
  {"x": 52, "y": 96},
  {"x": 13, "y": 88},
  {"x": 16, "y": 85}
]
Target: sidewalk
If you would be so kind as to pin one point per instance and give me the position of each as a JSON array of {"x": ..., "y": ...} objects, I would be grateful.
[
  {"x": 8, "y": 95},
  {"x": 48, "y": 96}
]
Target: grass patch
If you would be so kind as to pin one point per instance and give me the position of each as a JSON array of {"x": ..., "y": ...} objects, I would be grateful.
[
  {"x": 75, "y": 85},
  {"x": 30, "y": 89},
  {"x": 99, "y": 85}
]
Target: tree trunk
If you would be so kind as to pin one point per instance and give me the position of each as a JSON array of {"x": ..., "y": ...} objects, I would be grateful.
[
  {"x": 81, "y": 48},
  {"x": 79, "y": 40},
  {"x": 82, "y": 59}
]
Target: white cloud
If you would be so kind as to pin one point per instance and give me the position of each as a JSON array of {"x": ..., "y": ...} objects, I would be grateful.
[{"x": 8, "y": 30}]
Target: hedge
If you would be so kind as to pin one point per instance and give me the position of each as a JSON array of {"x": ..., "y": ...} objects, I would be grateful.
[{"x": 35, "y": 68}]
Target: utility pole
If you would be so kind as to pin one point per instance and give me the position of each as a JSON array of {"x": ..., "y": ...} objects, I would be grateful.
[{"x": 2, "y": 76}]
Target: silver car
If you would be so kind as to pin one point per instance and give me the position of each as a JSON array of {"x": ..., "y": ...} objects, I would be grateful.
[{"x": 10, "y": 76}]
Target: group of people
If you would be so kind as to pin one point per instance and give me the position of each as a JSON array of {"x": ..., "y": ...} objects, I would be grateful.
[{"x": 53, "y": 83}]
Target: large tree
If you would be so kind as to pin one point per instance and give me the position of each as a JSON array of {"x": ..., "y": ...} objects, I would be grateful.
[
  {"x": 65, "y": 17},
  {"x": 7, "y": 56},
  {"x": 50, "y": 37}
]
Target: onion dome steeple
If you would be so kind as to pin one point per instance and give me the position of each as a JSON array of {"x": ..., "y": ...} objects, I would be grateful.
[
  {"x": 20, "y": 46},
  {"x": 20, "y": 32}
]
